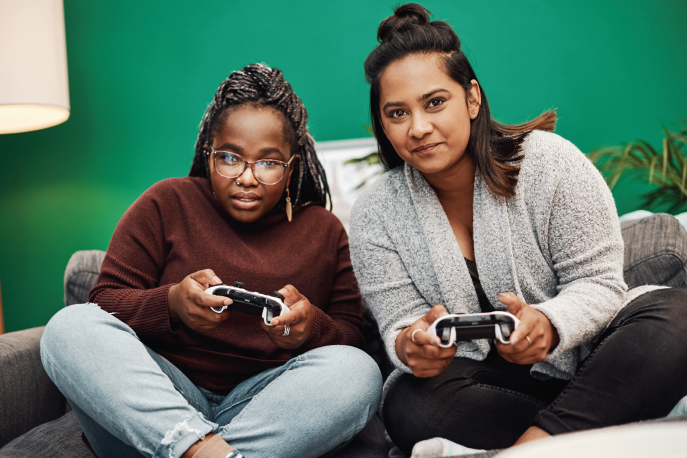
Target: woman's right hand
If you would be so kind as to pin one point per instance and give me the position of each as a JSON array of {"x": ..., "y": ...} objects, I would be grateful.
[
  {"x": 422, "y": 352},
  {"x": 189, "y": 302}
]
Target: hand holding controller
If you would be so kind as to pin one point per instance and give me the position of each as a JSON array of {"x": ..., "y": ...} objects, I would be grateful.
[
  {"x": 249, "y": 302},
  {"x": 493, "y": 325}
]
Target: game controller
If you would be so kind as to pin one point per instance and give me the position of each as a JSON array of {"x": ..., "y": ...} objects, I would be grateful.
[
  {"x": 249, "y": 302},
  {"x": 469, "y": 326}
]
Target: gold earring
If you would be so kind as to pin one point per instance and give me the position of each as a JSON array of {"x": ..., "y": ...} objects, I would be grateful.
[{"x": 288, "y": 205}]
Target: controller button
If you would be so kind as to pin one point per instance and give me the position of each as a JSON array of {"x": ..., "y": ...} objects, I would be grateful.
[{"x": 238, "y": 284}]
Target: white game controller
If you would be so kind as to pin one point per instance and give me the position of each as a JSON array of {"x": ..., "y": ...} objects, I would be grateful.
[
  {"x": 470, "y": 326},
  {"x": 249, "y": 302}
]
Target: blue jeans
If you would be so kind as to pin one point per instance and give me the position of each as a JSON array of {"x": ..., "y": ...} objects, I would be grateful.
[{"x": 131, "y": 401}]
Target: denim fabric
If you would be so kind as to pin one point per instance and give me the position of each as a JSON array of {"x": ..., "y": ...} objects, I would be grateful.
[
  {"x": 131, "y": 401},
  {"x": 635, "y": 372}
]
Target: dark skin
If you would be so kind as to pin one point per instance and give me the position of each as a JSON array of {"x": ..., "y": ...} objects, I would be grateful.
[
  {"x": 254, "y": 133},
  {"x": 426, "y": 116}
]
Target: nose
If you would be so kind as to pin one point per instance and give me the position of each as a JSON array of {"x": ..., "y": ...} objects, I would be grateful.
[
  {"x": 247, "y": 178},
  {"x": 420, "y": 126}
]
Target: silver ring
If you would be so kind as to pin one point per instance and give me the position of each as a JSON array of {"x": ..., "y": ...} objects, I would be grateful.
[
  {"x": 287, "y": 330},
  {"x": 238, "y": 182},
  {"x": 412, "y": 336},
  {"x": 528, "y": 340}
]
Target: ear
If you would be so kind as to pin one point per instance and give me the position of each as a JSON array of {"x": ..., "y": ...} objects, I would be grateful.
[{"x": 474, "y": 99}]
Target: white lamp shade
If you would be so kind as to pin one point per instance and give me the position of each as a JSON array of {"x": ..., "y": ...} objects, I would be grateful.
[{"x": 34, "y": 89}]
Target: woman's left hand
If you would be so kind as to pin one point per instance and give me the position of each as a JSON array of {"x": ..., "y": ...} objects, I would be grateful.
[
  {"x": 300, "y": 318},
  {"x": 535, "y": 336}
]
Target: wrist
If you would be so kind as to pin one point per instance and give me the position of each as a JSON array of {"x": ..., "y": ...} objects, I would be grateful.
[
  {"x": 170, "y": 302},
  {"x": 401, "y": 346}
]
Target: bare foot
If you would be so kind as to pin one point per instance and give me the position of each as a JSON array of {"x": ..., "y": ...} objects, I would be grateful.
[
  {"x": 195, "y": 447},
  {"x": 532, "y": 434}
]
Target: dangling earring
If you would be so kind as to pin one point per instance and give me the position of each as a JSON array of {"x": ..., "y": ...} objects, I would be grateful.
[{"x": 288, "y": 205}]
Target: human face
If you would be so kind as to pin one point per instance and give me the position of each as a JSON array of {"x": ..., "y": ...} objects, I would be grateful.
[
  {"x": 254, "y": 133},
  {"x": 426, "y": 114}
]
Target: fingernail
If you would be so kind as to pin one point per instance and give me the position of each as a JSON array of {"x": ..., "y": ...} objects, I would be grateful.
[
  {"x": 227, "y": 302},
  {"x": 514, "y": 340},
  {"x": 274, "y": 322},
  {"x": 216, "y": 279}
]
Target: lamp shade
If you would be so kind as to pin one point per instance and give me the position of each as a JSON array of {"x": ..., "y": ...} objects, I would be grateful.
[{"x": 34, "y": 89}]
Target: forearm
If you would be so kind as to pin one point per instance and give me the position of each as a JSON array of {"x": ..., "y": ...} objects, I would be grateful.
[{"x": 143, "y": 310}]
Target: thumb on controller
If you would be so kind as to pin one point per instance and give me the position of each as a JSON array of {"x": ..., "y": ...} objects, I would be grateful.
[
  {"x": 435, "y": 313},
  {"x": 513, "y": 302}
]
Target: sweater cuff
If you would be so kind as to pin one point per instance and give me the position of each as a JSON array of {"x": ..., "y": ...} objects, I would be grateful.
[
  {"x": 154, "y": 317},
  {"x": 322, "y": 323}
]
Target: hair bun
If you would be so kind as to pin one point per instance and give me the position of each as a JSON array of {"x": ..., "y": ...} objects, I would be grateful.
[{"x": 405, "y": 16}]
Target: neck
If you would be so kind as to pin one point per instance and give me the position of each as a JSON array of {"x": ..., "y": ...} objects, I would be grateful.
[{"x": 455, "y": 183}]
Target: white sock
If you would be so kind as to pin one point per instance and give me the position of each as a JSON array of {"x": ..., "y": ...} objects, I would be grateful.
[
  {"x": 438, "y": 446},
  {"x": 680, "y": 409}
]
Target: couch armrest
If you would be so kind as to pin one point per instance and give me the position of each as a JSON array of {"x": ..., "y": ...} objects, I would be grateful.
[{"x": 28, "y": 397}]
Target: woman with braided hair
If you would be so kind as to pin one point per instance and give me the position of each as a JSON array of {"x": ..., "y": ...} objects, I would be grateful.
[{"x": 152, "y": 370}]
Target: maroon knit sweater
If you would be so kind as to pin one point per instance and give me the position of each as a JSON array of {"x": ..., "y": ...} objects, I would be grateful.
[{"x": 176, "y": 228}]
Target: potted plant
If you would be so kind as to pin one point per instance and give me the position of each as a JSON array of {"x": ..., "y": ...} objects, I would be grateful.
[{"x": 665, "y": 168}]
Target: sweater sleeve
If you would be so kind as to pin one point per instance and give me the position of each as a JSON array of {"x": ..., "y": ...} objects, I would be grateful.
[
  {"x": 385, "y": 282},
  {"x": 128, "y": 285},
  {"x": 586, "y": 249},
  {"x": 340, "y": 322}
]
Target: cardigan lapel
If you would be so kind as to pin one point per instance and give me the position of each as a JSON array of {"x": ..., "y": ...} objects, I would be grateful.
[
  {"x": 493, "y": 244},
  {"x": 450, "y": 269}
]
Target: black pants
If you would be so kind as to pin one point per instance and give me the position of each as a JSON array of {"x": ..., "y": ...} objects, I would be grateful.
[{"x": 637, "y": 371}]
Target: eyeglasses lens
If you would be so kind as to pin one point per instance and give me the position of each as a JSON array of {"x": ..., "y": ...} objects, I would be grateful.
[{"x": 265, "y": 170}]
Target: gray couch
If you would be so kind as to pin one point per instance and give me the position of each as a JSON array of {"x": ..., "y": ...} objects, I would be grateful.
[{"x": 35, "y": 419}]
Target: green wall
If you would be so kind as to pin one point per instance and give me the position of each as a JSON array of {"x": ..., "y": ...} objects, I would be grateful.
[{"x": 142, "y": 73}]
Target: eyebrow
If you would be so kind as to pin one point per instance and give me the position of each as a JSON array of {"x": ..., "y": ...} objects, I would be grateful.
[
  {"x": 240, "y": 150},
  {"x": 419, "y": 99}
]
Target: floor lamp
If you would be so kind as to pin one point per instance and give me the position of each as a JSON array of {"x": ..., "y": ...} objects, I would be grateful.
[{"x": 34, "y": 90}]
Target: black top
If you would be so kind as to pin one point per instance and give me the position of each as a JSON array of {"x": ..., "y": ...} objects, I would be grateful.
[{"x": 484, "y": 303}]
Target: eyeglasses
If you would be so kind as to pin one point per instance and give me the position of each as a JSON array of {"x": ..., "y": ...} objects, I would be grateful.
[{"x": 232, "y": 165}]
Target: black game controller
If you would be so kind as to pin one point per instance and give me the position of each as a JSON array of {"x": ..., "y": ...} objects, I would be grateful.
[
  {"x": 469, "y": 326},
  {"x": 249, "y": 302}
]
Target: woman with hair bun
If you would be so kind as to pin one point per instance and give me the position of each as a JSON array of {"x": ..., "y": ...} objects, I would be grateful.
[
  {"x": 153, "y": 371},
  {"x": 476, "y": 216}
]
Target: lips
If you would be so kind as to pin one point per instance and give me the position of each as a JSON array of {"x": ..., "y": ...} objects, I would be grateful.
[
  {"x": 245, "y": 200},
  {"x": 426, "y": 148}
]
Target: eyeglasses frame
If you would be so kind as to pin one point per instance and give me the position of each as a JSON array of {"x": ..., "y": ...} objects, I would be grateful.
[{"x": 248, "y": 163}]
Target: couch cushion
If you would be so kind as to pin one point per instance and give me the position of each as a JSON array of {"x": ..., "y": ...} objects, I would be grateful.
[
  {"x": 23, "y": 378},
  {"x": 655, "y": 252},
  {"x": 60, "y": 438},
  {"x": 81, "y": 275}
]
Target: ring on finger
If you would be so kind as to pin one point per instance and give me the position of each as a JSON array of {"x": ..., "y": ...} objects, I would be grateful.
[
  {"x": 412, "y": 336},
  {"x": 287, "y": 330},
  {"x": 529, "y": 342}
]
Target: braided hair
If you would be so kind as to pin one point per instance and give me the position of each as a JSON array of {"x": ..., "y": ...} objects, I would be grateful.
[{"x": 261, "y": 86}]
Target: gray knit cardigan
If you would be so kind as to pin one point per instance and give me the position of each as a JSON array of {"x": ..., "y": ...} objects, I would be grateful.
[{"x": 556, "y": 244}]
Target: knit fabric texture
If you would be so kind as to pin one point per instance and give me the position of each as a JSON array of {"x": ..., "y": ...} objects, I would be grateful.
[{"x": 556, "y": 244}]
